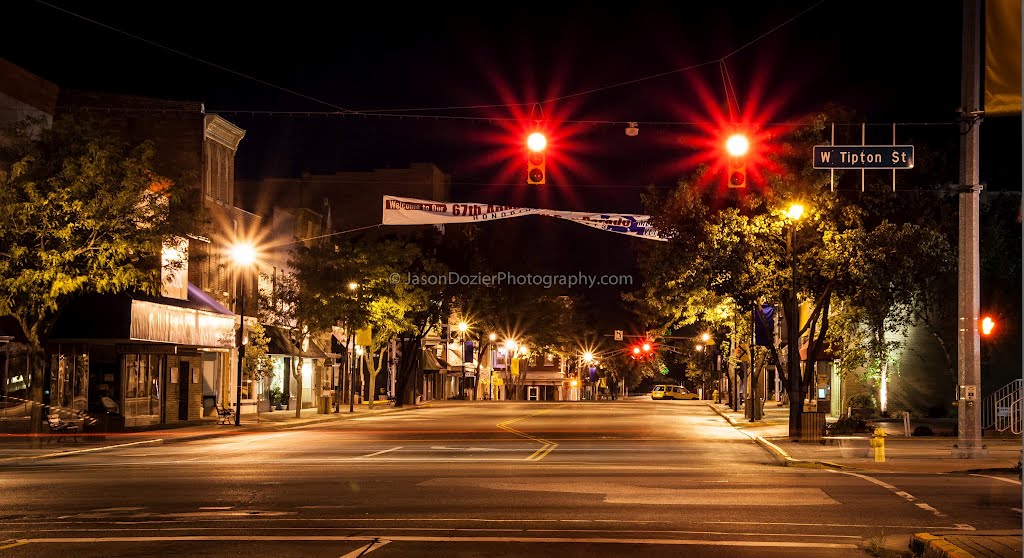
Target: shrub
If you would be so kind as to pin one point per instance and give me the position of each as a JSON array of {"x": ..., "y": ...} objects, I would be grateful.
[
  {"x": 846, "y": 425},
  {"x": 923, "y": 431},
  {"x": 863, "y": 401}
]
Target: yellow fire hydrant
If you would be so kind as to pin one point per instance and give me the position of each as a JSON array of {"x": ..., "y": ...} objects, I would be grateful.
[{"x": 878, "y": 443}]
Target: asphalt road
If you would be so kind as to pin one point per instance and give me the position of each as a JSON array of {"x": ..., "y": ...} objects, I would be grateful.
[{"x": 626, "y": 478}]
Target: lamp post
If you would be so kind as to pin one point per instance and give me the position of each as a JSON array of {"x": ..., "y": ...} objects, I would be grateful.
[
  {"x": 463, "y": 329},
  {"x": 243, "y": 255},
  {"x": 353, "y": 286},
  {"x": 795, "y": 212},
  {"x": 588, "y": 359}
]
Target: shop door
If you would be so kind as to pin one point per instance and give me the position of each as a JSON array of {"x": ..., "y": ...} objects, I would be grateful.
[{"x": 183, "y": 381}]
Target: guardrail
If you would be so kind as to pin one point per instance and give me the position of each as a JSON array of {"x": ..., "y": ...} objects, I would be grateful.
[{"x": 1001, "y": 410}]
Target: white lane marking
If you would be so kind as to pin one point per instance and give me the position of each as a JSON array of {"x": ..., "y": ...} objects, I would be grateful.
[
  {"x": 905, "y": 495},
  {"x": 460, "y": 529},
  {"x": 378, "y": 453},
  {"x": 629, "y": 493},
  {"x": 363, "y": 551},
  {"x": 129, "y": 508},
  {"x": 86, "y": 450},
  {"x": 215, "y": 507},
  {"x": 956, "y": 527},
  {"x": 1003, "y": 479},
  {"x": 1016, "y": 510},
  {"x": 412, "y": 538}
]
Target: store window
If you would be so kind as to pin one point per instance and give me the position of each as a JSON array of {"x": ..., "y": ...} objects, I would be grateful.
[
  {"x": 69, "y": 383},
  {"x": 142, "y": 388}
]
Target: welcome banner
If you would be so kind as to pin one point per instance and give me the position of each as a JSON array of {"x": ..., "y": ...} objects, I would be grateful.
[{"x": 411, "y": 211}]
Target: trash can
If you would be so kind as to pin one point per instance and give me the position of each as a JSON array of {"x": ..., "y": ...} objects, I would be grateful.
[
  {"x": 812, "y": 426},
  {"x": 324, "y": 405}
]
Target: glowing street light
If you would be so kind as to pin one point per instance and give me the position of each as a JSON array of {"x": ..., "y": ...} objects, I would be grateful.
[
  {"x": 353, "y": 286},
  {"x": 463, "y": 327},
  {"x": 795, "y": 212},
  {"x": 705, "y": 337},
  {"x": 588, "y": 357},
  {"x": 244, "y": 255},
  {"x": 493, "y": 337}
]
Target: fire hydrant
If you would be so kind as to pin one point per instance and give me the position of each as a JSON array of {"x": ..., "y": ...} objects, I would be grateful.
[{"x": 877, "y": 442}]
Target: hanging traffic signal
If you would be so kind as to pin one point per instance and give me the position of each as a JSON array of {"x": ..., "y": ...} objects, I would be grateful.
[
  {"x": 737, "y": 173},
  {"x": 737, "y": 146},
  {"x": 536, "y": 144}
]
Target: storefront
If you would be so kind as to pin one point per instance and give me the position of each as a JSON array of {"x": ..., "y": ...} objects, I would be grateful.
[{"x": 131, "y": 361}]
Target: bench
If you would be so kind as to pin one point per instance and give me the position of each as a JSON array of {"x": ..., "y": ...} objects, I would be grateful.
[
  {"x": 224, "y": 415},
  {"x": 62, "y": 427}
]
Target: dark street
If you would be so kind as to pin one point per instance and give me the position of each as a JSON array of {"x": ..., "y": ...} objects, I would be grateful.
[{"x": 633, "y": 477}]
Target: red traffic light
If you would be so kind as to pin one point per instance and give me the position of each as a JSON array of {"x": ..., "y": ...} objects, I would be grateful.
[
  {"x": 536, "y": 144},
  {"x": 636, "y": 350},
  {"x": 646, "y": 347}
]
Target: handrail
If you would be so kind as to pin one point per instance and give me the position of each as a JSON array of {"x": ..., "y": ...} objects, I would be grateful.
[{"x": 1001, "y": 410}]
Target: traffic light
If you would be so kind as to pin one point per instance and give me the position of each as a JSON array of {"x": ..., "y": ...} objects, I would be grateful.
[
  {"x": 737, "y": 146},
  {"x": 642, "y": 351},
  {"x": 988, "y": 325},
  {"x": 737, "y": 173},
  {"x": 536, "y": 144}
]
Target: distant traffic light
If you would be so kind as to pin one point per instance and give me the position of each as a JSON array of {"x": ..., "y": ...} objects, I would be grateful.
[{"x": 536, "y": 144}]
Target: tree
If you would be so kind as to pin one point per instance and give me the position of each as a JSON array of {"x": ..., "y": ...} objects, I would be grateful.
[
  {"x": 256, "y": 363},
  {"x": 293, "y": 309},
  {"x": 745, "y": 248},
  {"x": 80, "y": 212},
  {"x": 883, "y": 291}
]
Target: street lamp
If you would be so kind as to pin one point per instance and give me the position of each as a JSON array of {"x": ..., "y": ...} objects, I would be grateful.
[
  {"x": 353, "y": 286},
  {"x": 243, "y": 254},
  {"x": 794, "y": 213},
  {"x": 463, "y": 328}
]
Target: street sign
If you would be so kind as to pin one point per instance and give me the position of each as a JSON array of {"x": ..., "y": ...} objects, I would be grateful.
[
  {"x": 618, "y": 335},
  {"x": 863, "y": 156}
]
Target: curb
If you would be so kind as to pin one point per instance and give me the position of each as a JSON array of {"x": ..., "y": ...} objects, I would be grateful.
[
  {"x": 154, "y": 442},
  {"x": 931, "y": 546},
  {"x": 778, "y": 453},
  {"x": 270, "y": 427},
  {"x": 208, "y": 435}
]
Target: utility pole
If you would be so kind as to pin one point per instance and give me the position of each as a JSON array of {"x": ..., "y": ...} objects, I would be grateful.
[{"x": 968, "y": 344}]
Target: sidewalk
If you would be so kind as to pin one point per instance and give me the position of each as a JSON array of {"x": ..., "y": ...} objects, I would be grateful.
[
  {"x": 920, "y": 454},
  {"x": 19, "y": 447},
  {"x": 979, "y": 544}
]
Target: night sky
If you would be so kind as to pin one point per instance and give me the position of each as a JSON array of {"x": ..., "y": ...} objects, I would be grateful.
[{"x": 888, "y": 61}]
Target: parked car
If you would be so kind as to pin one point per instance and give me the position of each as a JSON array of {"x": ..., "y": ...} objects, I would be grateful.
[{"x": 664, "y": 391}]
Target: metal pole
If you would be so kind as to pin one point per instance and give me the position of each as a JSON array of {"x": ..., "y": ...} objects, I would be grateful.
[
  {"x": 796, "y": 400},
  {"x": 968, "y": 344},
  {"x": 241, "y": 348}
]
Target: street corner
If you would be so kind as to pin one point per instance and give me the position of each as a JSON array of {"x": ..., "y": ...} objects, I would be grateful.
[{"x": 995, "y": 544}]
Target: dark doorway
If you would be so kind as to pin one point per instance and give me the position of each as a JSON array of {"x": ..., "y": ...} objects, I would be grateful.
[{"x": 183, "y": 380}]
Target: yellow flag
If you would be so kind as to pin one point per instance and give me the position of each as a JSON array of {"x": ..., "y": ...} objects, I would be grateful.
[
  {"x": 364, "y": 337},
  {"x": 1002, "y": 57},
  {"x": 515, "y": 367}
]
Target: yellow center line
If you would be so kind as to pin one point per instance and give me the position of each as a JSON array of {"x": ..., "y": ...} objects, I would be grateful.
[
  {"x": 546, "y": 445},
  {"x": 13, "y": 544}
]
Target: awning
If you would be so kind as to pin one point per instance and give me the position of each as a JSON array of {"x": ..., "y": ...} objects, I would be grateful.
[
  {"x": 281, "y": 344},
  {"x": 199, "y": 321},
  {"x": 431, "y": 362}
]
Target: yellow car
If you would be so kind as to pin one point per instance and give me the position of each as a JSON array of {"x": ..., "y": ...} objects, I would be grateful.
[{"x": 671, "y": 392}]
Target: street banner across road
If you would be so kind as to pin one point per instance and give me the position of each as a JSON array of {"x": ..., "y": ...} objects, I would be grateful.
[{"x": 411, "y": 211}]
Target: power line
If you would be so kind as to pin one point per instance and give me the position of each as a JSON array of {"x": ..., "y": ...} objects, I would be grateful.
[
  {"x": 191, "y": 57},
  {"x": 614, "y": 85}
]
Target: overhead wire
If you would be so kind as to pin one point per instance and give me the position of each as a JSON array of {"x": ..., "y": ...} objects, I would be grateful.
[{"x": 192, "y": 57}]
